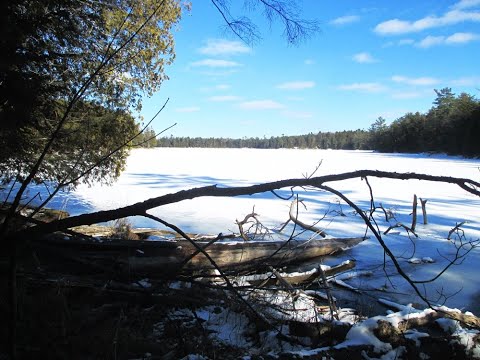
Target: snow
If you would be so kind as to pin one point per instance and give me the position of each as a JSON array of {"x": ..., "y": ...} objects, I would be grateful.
[
  {"x": 415, "y": 335},
  {"x": 227, "y": 326},
  {"x": 156, "y": 172}
]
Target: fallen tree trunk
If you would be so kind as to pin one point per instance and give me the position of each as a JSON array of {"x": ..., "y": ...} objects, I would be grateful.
[
  {"x": 297, "y": 278},
  {"x": 164, "y": 257}
]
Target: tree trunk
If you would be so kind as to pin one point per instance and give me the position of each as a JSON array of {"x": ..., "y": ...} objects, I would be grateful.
[
  {"x": 424, "y": 210},
  {"x": 414, "y": 213}
]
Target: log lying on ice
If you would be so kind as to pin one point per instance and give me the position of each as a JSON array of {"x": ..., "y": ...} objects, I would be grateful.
[
  {"x": 297, "y": 278},
  {"x": 157, "y": 256}
]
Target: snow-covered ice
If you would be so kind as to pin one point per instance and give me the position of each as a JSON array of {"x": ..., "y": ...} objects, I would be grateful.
[{"x": 154, "y": 172}]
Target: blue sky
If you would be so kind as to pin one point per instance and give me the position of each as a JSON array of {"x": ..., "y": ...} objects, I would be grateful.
[{"x": 369, "y": 59}]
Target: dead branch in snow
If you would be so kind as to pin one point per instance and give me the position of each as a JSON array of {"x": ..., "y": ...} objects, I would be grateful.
[
  {"x": 424, "y": 210},
  {"x": 429, "y": 317},
  {"x": 414, "y": 213},
  {"x": 331, "y": 301},
  {"x": 389, "y": 214},
  {"x": 409, "y": 230},
  {"x": 256, "y": 225},
  {"x": 456, "y": 229},
  {"x": 294, "y": 217}
]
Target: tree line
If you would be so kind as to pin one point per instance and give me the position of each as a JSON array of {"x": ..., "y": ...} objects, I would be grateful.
[
  {"x": 347, "y": 140},
  {"x": 451, "y": 126}
]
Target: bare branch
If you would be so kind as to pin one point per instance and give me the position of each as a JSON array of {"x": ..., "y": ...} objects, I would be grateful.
[
  {"x": 455, "y": 229},
  {"x": 215, "y": 191},
  {"x": 294, "y": 218},
  {"x": 295, "y": 29},
  {"x": 409, "y": 230}
]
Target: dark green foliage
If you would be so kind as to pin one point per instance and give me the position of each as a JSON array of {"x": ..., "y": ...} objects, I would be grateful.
[
  {"x": 146, "y": 139},
  {"x": 346, "y": 140},
  {"x": 451, "y": 126},
  {"x": 87, "y": 139},
  {"x": 70, "y": 72}
]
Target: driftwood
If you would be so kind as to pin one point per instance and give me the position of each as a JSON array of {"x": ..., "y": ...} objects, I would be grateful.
[
  {"x": 299, "y": 279},
  {"x": 424, "y": 210},
  {"x": 161, "y": 258},
  {"x": 436, "y": 312},
  {"x": 414, "y": 213}
]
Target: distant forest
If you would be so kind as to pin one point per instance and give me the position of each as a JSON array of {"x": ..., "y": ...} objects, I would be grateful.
[{"x": 451, "y": 126}]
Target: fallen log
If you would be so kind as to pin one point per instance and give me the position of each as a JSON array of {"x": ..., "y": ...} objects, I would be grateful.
[
  {"x": 297, "y": 278},
  {"x": 161, "y": 258}
]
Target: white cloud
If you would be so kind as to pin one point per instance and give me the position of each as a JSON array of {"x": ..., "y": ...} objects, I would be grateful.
[
  {"x": 396, "y": 26},
  {"x": 215, "y": 47},
  {"x": 467, "y": 81},
  {"x": 461, "y": 38},
  {"x": 296, "y": 85},
  {"x": 189, "y": 109},
  {"x": 261, "y": 105},
  {"x": 309, "y": 61},
  {"x": 222, "y": 98},
  {"x": 431, "y": 41},
  {"x": 343, "y": 20},
  {"x": 465, "y": 4},
  {"x": 215, "y": 63},
  {"x": 420, "y": 81},
  {"x": 364, "y": 58},
  {"x": 363, "y": 87},
  {"x": 457, "y": 38}
]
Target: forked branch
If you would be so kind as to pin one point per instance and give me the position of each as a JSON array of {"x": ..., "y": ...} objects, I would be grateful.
[{"x": 140, "y": 208}]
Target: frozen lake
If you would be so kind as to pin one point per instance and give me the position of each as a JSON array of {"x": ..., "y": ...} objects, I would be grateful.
[{"x": 155, "y": 172}]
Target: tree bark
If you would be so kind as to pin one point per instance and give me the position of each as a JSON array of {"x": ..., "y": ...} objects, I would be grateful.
[
  {"x": 414, "y": 213},
  {"x": 424, "y": 210}
]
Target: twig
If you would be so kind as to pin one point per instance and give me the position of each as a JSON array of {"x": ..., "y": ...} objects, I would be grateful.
[
  {"x": 331, "y": 301},
  {"x": 457, "y": 226},
  {"x": 402, "y": 226}
]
